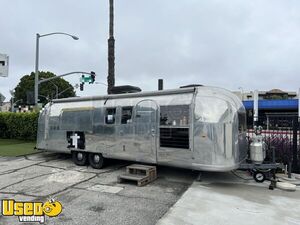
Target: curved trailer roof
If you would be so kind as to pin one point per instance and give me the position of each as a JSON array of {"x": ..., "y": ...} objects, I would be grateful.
[
  {"x": 203, "y": 91},
  {"x": 129, "y": 95}
]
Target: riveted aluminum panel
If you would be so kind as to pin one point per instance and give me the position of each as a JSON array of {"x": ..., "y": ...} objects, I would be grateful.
[{"x": 215, "y": 141}]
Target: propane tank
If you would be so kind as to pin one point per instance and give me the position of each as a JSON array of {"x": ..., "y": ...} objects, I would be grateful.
[{"x": 257, "y": 147}]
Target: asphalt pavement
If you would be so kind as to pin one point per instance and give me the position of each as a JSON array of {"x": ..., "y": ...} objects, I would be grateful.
[{"x": 89, "y": 196}]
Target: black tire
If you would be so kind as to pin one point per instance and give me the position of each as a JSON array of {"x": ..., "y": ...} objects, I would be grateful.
[
  {"x": 259, "y": 177},
  {"x": 79, "y": 158},
  {"x": 96, "y": 160}
]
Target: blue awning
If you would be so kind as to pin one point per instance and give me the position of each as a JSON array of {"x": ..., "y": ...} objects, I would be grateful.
[{"x": 273, "y": 104}]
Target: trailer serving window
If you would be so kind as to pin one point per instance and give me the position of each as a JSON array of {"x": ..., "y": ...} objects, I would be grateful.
[
  {"x": 76, "y": 119},
  {"x": 174, "y": 126},
  {"x": 174, "y": 115}
]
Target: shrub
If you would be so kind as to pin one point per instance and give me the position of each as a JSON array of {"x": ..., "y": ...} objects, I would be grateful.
[{"x": 18, "y": 125}]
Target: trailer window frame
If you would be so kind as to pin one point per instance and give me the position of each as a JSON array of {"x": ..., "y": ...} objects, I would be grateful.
[
  {"x": 174, "y": 126},
  {"x": 175, "y": 115},
  {"x": 242, "y": 122},
  {"x": 82, "y": 120},
  {"x": 126, "y": 118},
  {"x": 112, "y": 111}
]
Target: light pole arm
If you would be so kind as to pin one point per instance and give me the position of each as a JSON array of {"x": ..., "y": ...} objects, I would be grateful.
[
  {"x": 63, "y": 75},
  {"x": 36, "y": 78},
  {"x": 64, "y": 91},
  {"x": 56, "y": 88},
  {"x": 101, "y": 83},
  {"x": 54, "y": 33}
]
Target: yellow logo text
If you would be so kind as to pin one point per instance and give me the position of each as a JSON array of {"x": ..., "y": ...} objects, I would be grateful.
[{"x": 31, "y": 211}]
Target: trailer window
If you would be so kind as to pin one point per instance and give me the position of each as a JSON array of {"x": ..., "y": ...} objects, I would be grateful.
[
  {"x": 242, "y": 122},
  {"x": 110, "y": 116},
  {"x": 126, "y": 115},
  {"x": 174, "y": 126},
  {"x": 75, "y": 119},
  {"x": 174, "y": 115},
  {"x": 174, "y": 137}
]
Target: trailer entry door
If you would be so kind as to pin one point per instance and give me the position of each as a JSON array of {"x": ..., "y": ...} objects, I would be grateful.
[{"x": 146, "y": 130}]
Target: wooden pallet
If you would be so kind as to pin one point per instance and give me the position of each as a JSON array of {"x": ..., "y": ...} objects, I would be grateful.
[{"x": 141, "y": 174}]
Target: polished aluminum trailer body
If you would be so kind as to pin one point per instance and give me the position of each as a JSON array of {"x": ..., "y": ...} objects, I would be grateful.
[{"x": 202, "y": 128}]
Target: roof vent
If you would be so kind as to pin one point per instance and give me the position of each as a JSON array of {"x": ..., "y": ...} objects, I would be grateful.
[
  {"x": 192, "y": 85},
  {"x": 125, "y": 89}
]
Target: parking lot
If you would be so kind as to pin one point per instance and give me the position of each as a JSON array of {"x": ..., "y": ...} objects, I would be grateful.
[{"x": 89, "y": 196}]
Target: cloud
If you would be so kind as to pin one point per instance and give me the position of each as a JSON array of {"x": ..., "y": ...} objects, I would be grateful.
[{"x": 253, "y": 44}]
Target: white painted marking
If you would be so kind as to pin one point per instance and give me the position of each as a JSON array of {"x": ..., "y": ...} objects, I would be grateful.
[
  {"x": 105, "y": 188},
  {"x": 66, "y": 177},
  {"x": 75, "y": 139}
]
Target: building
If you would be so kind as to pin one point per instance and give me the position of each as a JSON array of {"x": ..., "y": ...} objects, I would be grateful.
[
  {"x": 272, "y": 94},
  {"x": 271, "y": 104},
  {"x": 5, "y": 107}
]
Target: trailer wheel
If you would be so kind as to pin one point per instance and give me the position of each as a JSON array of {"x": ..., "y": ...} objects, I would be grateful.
[
  {"x": 96, "y": 160},
  {"x": 259, "y": 177},
  {"x": 79, "y": 158}
]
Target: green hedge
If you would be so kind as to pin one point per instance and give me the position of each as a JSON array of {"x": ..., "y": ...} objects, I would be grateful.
[{"x": 18, "y": 125}]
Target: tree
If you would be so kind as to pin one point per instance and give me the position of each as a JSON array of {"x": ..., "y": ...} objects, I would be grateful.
[
  {"x": 111, "y": 49},
  {"x": 24, "y": 91}
]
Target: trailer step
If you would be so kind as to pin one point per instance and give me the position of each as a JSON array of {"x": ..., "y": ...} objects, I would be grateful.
[{"x": 142, "y": 174}]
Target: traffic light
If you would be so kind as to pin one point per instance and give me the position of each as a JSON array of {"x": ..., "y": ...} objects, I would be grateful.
[
  {"x": 81, "y": 86},
  {"x": 82, "y": 78},
  {"x": 93, "y": 76}
]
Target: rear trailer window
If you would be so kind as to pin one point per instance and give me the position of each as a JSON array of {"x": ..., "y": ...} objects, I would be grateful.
[{"x": 242, "y": 122}]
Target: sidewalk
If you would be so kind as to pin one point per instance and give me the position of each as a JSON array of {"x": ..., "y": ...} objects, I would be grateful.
[{"x": 222, "y": 198}]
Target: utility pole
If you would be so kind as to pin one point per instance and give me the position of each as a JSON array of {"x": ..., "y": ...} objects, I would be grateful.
[{"x": 111, "y": 49}]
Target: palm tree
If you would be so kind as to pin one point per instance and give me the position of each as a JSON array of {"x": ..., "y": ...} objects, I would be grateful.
[{"x": 111, "y": 49}]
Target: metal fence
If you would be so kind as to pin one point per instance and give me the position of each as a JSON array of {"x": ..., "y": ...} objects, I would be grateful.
[{"x": 282, "y": 137}]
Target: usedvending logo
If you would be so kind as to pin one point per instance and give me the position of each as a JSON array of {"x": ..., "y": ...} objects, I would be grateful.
[{"x": 31, "y": 211}]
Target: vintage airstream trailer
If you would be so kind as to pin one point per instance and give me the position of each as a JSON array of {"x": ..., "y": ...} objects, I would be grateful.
[{"x": 201, "y": 128}]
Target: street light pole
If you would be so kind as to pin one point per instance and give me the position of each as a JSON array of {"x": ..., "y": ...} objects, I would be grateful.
[
  {"x": 242, "y": 92},
  {"x": 36, "y": 78},
  {"x": 14, "y": 103},
  {"x": 12, "y": 93}
]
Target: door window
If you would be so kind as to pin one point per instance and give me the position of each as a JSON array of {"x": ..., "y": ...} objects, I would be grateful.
[{"x": 126, "y": 115}]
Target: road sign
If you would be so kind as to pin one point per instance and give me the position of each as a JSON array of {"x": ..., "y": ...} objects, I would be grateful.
[
  {"x": 86, "y": 79},
  {"x": 4, "y": 63}
]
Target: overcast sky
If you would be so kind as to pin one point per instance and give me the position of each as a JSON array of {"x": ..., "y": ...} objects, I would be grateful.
[{"x": 253, "y": 44}]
